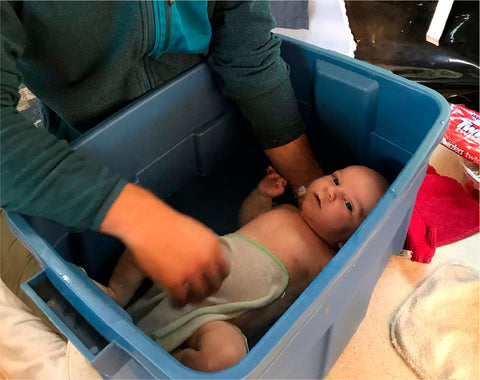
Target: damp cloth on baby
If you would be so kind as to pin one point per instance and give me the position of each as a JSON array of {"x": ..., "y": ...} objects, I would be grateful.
[
  {"x": 256, "y": 279},
  {"x": 436, "y": 331}
]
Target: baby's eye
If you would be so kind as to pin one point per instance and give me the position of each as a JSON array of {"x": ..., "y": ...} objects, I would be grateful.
[
  {"x": 335, "y": 180},
  {"x": 348, "y": 205}
]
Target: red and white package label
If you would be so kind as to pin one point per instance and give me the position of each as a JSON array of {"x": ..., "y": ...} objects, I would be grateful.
[{"x": 463, "y": 134}]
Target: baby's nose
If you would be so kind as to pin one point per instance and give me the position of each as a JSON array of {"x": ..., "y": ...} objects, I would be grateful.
[{"x": 331, "y": 193}]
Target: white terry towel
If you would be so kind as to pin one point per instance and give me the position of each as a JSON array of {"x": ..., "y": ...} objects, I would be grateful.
[{"x": 436, "y": 331}]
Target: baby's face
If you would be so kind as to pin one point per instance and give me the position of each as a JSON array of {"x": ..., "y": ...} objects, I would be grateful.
[{"x": 334, "y": 206}]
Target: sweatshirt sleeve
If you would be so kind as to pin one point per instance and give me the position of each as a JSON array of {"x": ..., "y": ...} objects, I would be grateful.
[
  {"x": 41, "y": 175},
  {"x": 245, "y": 55}
]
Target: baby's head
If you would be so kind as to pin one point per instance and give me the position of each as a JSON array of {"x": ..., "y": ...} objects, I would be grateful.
[{"x": 335, "y": 205}]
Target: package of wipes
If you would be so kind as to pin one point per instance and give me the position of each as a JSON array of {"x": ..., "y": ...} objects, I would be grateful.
[{"x": 463, "y": 138}]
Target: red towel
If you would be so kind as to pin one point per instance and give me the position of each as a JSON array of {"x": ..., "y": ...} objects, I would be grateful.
[{"x": 443, "y": 213}]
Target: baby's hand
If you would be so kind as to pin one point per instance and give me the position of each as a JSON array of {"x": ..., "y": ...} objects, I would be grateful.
[{"x": 273, "y": 185}]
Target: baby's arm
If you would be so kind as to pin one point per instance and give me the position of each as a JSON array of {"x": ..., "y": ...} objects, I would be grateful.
[
  {"x": 260, "y": 199},
  {"x": 125, "y": 280}
]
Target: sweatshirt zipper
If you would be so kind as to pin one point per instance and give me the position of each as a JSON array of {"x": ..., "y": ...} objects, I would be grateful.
[
  {"x": 147, "y": 10},
  {"x": 168, "y": 23},
  {"x": 163, "y": 25}
]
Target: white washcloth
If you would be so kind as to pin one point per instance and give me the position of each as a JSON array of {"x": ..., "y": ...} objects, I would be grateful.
[{"x": 436, "y": 331}]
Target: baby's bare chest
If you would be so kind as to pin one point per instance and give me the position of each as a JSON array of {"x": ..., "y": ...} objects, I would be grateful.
[
  {"x": 284, "y": 233},
  {"x": 277, "y": 230}
]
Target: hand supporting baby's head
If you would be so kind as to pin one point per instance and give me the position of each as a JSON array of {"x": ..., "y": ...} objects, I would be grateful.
[{"x": 335, "y": 205}]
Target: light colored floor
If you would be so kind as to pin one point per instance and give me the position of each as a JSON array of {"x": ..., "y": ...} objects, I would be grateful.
[{"x": 370, "y": 354}]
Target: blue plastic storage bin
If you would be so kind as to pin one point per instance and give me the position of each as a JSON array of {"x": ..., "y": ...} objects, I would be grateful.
[{"x": 189, "y": 144}]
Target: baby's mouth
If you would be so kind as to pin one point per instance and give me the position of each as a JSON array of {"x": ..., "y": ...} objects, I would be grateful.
[{"x": 318, "y": 201}]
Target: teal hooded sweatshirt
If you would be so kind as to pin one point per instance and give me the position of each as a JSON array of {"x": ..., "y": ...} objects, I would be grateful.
[{"x": 87, "y": 60}]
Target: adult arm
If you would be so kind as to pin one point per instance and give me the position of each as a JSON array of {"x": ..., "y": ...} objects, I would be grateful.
[
  {"x": 245, "y": 55},
  {"x": 175, "y": 250},
  {"x": 42, "y": 176}
]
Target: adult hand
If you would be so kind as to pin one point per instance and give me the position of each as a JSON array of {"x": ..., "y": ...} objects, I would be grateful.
[{"x": 176, "y": 251}]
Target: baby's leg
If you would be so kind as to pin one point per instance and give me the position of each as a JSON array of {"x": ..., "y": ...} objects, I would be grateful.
[
  {"x": 214, "y": 346},
  {"x": 125, "y": 280}
]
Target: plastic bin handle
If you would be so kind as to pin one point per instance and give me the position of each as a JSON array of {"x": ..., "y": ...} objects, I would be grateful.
[
  {"x": 109, "y": 359},
  {"x": 64, "y": 316}
]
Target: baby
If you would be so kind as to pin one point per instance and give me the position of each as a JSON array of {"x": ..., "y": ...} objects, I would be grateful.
[{"x": 273, "y": 257}]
